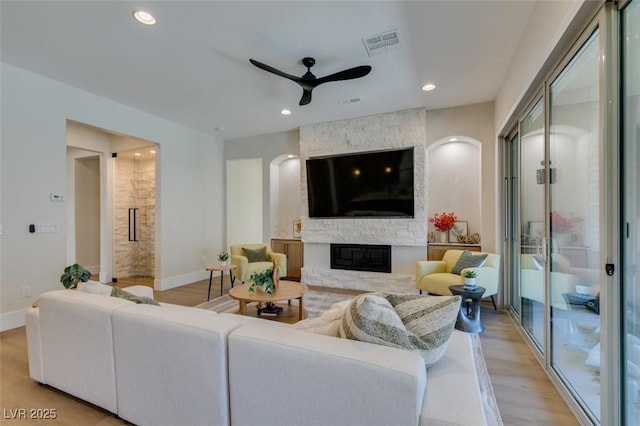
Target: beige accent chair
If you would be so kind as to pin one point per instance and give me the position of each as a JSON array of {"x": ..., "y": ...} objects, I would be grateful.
[
  {"x": 435, "y": 276},
  {"x": 244, "y": 268}
]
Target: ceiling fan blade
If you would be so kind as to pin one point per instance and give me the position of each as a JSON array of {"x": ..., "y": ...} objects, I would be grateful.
[
  {"x": 306, "y": 96},
  {"x": 349, "y": 74},
  {"x": 275, "y": 71}
]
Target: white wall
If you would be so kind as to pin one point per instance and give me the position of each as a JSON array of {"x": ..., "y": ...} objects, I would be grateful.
[
  {"x": 548, "y": 23},
  {"x": 87, "y": 212},
  {"x": 244, "y": 201},
  {"x": 34, "y": 118},
  {"x": 267, "y": 147}
]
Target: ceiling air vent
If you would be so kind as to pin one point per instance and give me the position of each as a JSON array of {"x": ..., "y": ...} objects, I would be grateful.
[{"x": 382, "y": 42}]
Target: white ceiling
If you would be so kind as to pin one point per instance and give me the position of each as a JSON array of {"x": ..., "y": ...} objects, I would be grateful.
[{"x": 193, "y": 67}]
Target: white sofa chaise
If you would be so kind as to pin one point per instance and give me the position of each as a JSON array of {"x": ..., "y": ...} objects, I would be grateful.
[{"x": 168, "y": 364}]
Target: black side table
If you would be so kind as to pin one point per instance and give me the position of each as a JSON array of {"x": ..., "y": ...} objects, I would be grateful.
[{"x": 469, "y": 315}]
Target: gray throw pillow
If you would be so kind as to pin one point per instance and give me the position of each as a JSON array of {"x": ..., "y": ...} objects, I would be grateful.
[
  {"x": 423, "y": 324},
  {"x": 468, "y": 260},
  {"x": 255, "y": 255},
  {"x": 122, "y": 294}
]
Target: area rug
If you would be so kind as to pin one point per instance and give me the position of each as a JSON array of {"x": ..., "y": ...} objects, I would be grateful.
[{"x": 317, "y": 302}]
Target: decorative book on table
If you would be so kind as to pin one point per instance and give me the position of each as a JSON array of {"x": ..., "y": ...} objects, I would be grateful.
[{"x": 270, "y": 311}]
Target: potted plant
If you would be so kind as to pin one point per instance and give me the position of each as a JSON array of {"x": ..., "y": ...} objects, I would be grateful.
[
  {"x": 223, "y": 257},
  {"x": 443, "y": 222},
  {"x": 469, "y": 278},
  {"x": 73, "y": 274},
  {"x": 262, "y": 280}
]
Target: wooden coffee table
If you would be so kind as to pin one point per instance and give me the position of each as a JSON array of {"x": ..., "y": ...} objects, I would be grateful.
[{"x": 287, "y": 290}]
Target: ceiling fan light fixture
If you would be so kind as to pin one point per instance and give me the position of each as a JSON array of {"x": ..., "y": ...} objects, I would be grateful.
[
  {"x": 428, "y": 87},
  {"x": 144, "y": 17}
]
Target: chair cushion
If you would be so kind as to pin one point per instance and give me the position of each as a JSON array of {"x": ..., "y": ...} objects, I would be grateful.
[
  {"x": 468, "y": 260},
  {"x": 422, "y": 324},
  {"x": 255, "y": 255}
]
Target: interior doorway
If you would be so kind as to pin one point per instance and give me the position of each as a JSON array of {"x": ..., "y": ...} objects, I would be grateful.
[{"x": 111, "y": 176}]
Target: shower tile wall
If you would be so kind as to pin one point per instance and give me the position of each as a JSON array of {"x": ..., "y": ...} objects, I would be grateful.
[{"x": 134, "y": 188}]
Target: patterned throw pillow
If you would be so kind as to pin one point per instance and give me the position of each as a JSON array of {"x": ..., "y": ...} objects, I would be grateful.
[
  {"x": 120, "y": 293},
  {"x": 255, "y": 255},
  {"x": 468, "y": 260},
  {"x": 422, "y": 324}
]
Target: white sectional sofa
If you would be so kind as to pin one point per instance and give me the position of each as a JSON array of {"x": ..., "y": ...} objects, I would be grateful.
[{"x": 168, "y": 365}]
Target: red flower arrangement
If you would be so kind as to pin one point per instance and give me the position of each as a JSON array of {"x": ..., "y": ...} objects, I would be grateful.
[
  {"x": 443, "y": 221},
  {"x": 563, "y": 224}
]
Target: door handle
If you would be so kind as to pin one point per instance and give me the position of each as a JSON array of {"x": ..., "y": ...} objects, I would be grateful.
[{"x": 133, "y": 224}]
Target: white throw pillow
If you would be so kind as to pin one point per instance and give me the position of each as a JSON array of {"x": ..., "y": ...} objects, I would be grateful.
[{"x": 326, "y": 324}]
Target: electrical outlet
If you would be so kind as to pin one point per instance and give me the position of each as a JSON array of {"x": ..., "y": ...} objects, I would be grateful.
[{"x": 26, "y": 290}]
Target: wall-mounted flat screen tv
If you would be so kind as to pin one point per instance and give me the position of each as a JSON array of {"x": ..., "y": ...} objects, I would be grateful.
[{"x": 370, "y": 184}]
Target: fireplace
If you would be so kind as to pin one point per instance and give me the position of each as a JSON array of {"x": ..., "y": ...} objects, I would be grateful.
[{"x": 361, "y": 257}]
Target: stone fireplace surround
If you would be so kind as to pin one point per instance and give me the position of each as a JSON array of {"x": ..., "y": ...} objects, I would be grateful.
[{"x": 407, "y": 236}]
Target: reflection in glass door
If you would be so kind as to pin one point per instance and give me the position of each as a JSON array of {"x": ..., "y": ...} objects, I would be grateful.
[
  {"x": 574, "y": 224},
  {"x": 134, "y": 216},
  {"x": 532, "y": 205},
  {"x": 631, "y": 209}
]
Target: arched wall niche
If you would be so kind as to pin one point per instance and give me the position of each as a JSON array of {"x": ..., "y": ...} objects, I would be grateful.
[{"x": 454, "y": 180}]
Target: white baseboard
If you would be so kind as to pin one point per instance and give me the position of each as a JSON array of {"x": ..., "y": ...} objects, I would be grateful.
[
  {"x": 180, "y": 280},
  {"x": 11, "y": 320}
]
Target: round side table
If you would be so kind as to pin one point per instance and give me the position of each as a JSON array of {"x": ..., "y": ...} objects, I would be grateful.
[
  {"x": 221, "y": 269},
  {"x": 469, "y": 315}
]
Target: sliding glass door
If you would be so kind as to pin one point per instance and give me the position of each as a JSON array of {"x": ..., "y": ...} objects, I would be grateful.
[
  {"x": 554, "y": 167},
  {"x": 630, "y": 132},
  {"x": 574, "y": 258}
]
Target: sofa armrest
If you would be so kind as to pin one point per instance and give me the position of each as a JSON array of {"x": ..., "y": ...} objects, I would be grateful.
[
  {"x": 281, "y": 260},
  {"x": 242, "y": 264},
  {"x": 34, "y": 344},
  {"x": 426, "y": 267}
]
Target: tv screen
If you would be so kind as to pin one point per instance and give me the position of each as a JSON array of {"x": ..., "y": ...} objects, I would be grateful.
[{"x": 372, "y": 184}]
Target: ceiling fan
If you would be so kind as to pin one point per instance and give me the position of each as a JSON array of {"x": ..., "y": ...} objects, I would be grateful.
[{"x": 309, "y": 81}]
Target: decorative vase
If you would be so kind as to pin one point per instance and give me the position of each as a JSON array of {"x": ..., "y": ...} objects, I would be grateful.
[
  {"x": 443, "y": 237},
  {"x": 223, "y": 262},
  {"x": 470, "y": 282}
]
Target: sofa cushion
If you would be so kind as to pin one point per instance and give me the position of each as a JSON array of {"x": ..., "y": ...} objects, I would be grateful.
[
  {"x": 120, "y": 293},
  {"x": 468, "y": 260},
  {"x": 418, "y": 323},
  {"x": 255, "y": 255}
]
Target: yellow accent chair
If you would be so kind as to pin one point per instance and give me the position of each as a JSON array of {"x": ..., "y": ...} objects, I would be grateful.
[
  {"x": 435, "y": 277},
  {"x": 251, "y": 259}
]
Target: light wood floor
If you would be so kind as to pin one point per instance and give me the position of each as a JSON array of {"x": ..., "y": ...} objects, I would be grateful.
[{"x": 524, "y": 393}]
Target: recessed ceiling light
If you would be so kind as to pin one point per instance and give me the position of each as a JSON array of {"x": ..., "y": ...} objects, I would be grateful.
[
  {"x": 428, "y": 87},
  {"x": 285, "y": 112},
  {"x": 144, "y": 17}
]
